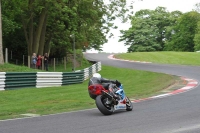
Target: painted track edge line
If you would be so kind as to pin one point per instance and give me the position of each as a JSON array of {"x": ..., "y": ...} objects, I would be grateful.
[
  {"x": 113, "y": 58},
  {"x": 186, "y": 88}
]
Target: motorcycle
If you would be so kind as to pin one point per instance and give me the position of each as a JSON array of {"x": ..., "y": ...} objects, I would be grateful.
[{"x": 106, "y": 102}]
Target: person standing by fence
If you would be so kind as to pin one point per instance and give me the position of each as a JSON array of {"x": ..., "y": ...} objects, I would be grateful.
[
  {"x": 39, "y": 61},
  {"x": 46, "y": 59},
  {"x": 34, "y": 60}
]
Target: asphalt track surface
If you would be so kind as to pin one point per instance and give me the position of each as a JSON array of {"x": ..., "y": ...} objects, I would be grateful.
[{"x": 174, "y": 114}]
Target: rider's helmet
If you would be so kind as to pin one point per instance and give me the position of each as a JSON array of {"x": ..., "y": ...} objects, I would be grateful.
[{"x": 96, "y": 75}]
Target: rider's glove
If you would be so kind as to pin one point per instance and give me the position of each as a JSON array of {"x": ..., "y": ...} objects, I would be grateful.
[{"x": 118, "y": 83}]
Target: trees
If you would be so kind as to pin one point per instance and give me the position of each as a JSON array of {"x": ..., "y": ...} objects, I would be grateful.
[
  {"x": 1, "y": 48},
  {"x": 158, "y": 30},
  {"x": 183, "y": 32},
  {"x": 197, "y": 38},
  {"x": 197, "y": 33},
  {"x": 142, "y": 35},
  {"x": 48, "y": 24},
  {"x": 174, "y": 16},
  {"x": 150, "y": 29}
]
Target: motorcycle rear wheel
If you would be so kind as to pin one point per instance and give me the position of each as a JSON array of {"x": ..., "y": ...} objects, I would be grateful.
[
  {"x": 129, "y": 104},
  {"x": 101, "y": 105}
]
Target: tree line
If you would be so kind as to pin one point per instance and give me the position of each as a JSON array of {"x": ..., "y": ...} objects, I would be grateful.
[
  {"x": 161, "y": 30},
  {"x": 45, "y": 26}
]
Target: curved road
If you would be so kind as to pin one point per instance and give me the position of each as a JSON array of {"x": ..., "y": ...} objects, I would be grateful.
[{"x": 175, "y": 114}]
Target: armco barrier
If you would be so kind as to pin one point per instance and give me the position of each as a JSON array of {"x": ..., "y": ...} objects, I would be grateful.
[
  {"x": 18, "y": 80},
  {"x": 92, "y": 69},
  {"x": 15, "y": 80},
  {"x": 73, "y": 78},
  {"x": 2, "y": 80},
  {"x": 46, "y": 79}
]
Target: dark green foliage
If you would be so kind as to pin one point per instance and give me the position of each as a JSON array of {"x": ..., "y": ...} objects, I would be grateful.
[
  {"x": 149, "y": 30},
  {"x": 160, "y": 30},
  {"x": 46, "y": 26},
  {"x": 184, "y": 31},
  {"x": 197, "y": 38}
]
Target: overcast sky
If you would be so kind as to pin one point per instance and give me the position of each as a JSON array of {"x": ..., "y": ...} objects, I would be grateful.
[{"x": 182, "y": 5}]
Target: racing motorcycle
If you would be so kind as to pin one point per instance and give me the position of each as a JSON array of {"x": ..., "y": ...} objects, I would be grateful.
[{"x": 107, "y": 102}]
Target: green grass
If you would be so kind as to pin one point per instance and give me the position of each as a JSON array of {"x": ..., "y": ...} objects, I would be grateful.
[
  {"x": 14, "y": 68},
  {"x": 58, "y": 67},
  {"x": 69, "y": 66},
  {"x": 183, "y": 58},
  {"x": 137, "y": 84}
]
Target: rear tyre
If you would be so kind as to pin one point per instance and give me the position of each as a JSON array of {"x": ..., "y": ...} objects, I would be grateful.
[
  {"x": 102, "y": 106},
  {"x": 129, "y": 104}
]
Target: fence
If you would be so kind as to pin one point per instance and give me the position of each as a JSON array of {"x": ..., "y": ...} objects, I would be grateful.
[
  {"x": 16, "y": 80},
  {"x": 25, "y": 60}
]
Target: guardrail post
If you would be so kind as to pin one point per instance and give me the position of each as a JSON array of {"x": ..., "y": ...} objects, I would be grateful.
[
  {"x": 65, "y": 63},
  {"x": 23, "y": 60},
  {"x": 42, "y": 63},
  {"x": 6, "y": 56},
  {"x": 29, "y": 61},
  {"x": 54, "y": 64},
  {"x": 11, "y": 54}
]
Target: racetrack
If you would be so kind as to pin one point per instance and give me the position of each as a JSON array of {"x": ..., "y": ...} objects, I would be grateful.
[{"x": 174, "y": 114}]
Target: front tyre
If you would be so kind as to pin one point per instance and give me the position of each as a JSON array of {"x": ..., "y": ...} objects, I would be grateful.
[
  {"x": 102, "y": 106},
  {"x": 129, "y": 104}
]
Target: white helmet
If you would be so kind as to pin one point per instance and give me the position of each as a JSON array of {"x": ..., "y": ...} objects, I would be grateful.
[{"x": 97, "y": 75}]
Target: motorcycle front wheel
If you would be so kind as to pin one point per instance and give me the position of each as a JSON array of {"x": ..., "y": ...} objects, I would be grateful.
[
  {"x": 129, "y": 104},
  {"x": 106, "y": 109}
]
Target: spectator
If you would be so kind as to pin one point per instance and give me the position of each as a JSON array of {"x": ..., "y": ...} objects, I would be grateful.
[
  {"x": 46, "y": 59},
  {"x": 34, "y": 60},
  {"x": 39, "y": 61}
]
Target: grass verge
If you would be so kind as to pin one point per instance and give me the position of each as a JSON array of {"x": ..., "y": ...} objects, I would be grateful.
[
  {"x": 183, "y": 58},
  {"x": 137, "y": 84},
  {"x": 15, "y": 68},
  {"x": 7, "y": 67}
]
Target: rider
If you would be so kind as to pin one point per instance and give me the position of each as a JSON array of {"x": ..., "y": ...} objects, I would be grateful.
[{"x": 106, "y": 83}]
